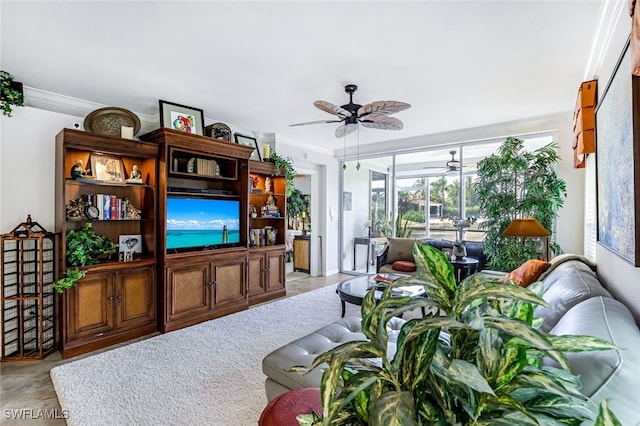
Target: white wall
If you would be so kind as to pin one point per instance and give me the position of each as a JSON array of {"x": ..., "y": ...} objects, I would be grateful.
[{"x": 27, "y": 163}]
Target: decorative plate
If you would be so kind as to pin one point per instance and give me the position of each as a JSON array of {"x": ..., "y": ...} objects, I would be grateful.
[
  {"x": 218, "y": 131},
  {"x": 109, "y": 121}
]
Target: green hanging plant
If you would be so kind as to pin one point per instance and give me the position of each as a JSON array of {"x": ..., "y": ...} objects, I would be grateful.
[
  {"x": 11, "y": 93},
  {"x": 84, "y": 247},
  {"x": 284, "y": 167}
]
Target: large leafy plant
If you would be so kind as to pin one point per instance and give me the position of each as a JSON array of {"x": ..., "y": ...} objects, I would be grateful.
[
  {"x": 516, "y": 183},
  {"x": 476, "y": 361}
]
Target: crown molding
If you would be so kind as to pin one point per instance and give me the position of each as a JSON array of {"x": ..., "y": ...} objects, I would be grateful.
[
  {"x": 610, "y": 14},
  {"x": 42, "y": 99}
]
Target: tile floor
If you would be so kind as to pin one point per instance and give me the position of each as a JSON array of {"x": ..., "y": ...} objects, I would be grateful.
[{"x": 27, "y": 396}]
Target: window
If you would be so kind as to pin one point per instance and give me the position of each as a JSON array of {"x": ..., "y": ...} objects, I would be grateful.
[{"x": 419, "y": 194}]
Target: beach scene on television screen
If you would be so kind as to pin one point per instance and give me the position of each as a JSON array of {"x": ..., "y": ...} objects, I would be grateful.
[{"x": 194, "y": 222}]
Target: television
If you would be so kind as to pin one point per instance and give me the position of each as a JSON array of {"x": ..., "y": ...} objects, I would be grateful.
[{"x": 202, "y": 223}]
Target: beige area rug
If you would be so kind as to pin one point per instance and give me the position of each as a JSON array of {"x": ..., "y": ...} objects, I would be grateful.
[{"x": 207, "y": 374}]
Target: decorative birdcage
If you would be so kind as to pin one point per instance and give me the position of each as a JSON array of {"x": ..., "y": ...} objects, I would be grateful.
[{"x": 28, "y": 264}]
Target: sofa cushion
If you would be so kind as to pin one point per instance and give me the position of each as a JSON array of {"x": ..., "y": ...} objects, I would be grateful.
[
  {"x": 528, "y": 272},
  {"x": 569, "y": 284},
  {"x": 404, "y": 266},
  {"x": 611, "y": 374},
  {"x": 303, "y": 351},
  {"x": 400, "y": 249}
]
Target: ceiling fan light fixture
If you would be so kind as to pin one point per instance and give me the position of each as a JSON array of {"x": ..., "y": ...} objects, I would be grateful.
[
  {"x": 374, "y": 115},
  {"x": 453, "y": 165}
]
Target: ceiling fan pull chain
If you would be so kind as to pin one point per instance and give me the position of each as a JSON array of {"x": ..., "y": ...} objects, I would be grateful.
[
  {"x": 344, "y": 152},
  {"x": 358, "y": 148}
]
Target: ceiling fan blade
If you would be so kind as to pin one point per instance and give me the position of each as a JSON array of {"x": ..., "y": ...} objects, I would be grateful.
[
  {"x": 381, "y": 121},
  {"x": 315, "y": 122},
  {"x": 382, "y": 107},
  {"x": 332, "y": 109},
  {"x": 345, "y": 129}
]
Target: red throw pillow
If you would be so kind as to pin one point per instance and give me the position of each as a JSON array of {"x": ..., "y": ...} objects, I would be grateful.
[
  {"x": 404, "y": 266},
  {"x": 528, "y": 272}
]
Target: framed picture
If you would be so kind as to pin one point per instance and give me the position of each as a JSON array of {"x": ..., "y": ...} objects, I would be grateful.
[
  {"x": 107, "y": 168},
  {"x": 347, "y": 201},
  {"x": 181, "y": 117},
  {"x": 249, "y": 141},
  {"x": 131, "y": 243},
  {"x": 618, "y": 163}
]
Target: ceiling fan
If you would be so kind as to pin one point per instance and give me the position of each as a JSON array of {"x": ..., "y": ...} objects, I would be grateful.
[
  {"x": 452, "y": 165},
  {"x": 374, "y": 115}
]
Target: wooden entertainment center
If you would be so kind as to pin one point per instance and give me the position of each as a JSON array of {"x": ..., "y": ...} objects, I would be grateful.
[{"x": 178, "y": 279}]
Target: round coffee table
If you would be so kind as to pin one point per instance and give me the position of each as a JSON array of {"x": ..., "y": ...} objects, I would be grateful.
[{"x": 353, "y": 290}]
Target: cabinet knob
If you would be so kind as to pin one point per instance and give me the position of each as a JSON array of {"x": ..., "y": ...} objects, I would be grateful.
[
  {"x": 110, "y": 298},
  {"x": 119, "y": 297}
]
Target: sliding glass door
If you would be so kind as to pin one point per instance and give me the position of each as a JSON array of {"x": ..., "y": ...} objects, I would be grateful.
[{"x": 420, "y": 194}]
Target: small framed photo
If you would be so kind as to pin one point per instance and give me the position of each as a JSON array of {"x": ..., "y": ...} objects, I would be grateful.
[
  {"x": 181, "y": 117},
  {"x": 107, "y": 168},
  {"x": 131, "y": 243},
  {"x": 249, "y": 141}
]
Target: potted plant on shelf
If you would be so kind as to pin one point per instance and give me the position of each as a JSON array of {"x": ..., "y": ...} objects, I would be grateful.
[
  {"x": 285, "y": 168},
  {"x": 516, "y": 183},
  {"x": 11, "y": 93},
  {"x": 84, "y": 247},
  {"x": 476, "y": 362}
]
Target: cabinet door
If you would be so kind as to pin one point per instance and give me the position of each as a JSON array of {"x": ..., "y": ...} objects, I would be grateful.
[
  {"x": 229, "y": 283},
  {"x": 90, "y": 303},
  {"x": 135, "y": 298},
  {"x": 301, "y": 248},
  {"x": 256, "y": 274},
  {"x": 275, "y": 270},
  {"x": 188, "y": 289}
]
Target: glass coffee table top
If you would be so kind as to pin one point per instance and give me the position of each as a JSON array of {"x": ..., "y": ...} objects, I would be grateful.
[{"x": 354, "y": 289}]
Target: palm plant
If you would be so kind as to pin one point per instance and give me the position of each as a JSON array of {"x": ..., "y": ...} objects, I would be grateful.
[
  {"x": 478, "y": 361},
  {"x": 516, "y": 183}
]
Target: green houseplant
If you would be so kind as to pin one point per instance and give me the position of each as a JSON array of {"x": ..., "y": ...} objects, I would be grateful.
[
  {"x": 485, "y": 370},
  {"x": 11, "y": 93},
  {"x": 84, "y": 247},
  {"x": 297, "y": 203},
  {"x": 516, "y": 183},
  {"x": 284, "y": 167}
]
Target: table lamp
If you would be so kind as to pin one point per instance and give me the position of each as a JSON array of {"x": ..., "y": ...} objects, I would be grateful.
[{"x": 527, "y": 228}]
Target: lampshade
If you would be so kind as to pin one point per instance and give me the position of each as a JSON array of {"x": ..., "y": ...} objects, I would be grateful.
[{"x": 529, "y": 227}]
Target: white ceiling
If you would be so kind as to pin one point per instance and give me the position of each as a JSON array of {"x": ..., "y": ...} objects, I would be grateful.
[{"x": 260, "y": 65}]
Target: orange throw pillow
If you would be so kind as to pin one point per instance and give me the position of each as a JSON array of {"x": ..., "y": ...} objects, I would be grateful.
[
  {"x": 528, "y": 272},
  {"x": 404, "y": 266}
]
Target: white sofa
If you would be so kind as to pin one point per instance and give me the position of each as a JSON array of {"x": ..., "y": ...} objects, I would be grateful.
[{"x": 580, "y": 306}]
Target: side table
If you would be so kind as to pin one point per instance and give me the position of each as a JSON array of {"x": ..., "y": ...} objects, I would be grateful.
[{"x": 464, "y": 267}]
